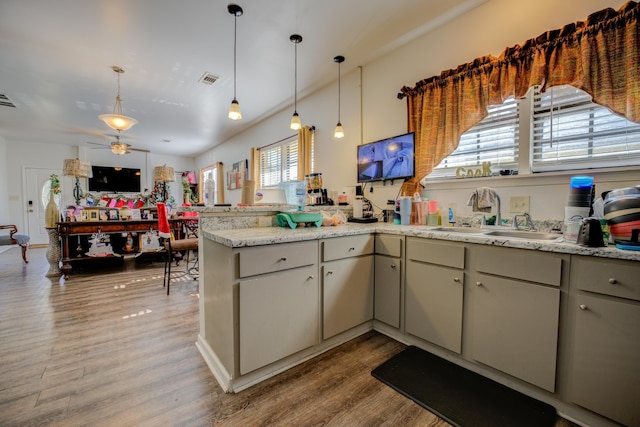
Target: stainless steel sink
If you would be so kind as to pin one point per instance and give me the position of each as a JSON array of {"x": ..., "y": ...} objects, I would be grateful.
[
  {"x": 466, "y": 230},
  {"x": 530, "y": 235}
]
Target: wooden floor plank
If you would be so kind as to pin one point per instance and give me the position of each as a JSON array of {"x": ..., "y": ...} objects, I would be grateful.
[{"x": 108, "y": 347}]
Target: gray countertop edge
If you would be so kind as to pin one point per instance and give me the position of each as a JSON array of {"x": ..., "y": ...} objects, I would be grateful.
[{"x": 259, "y": 236}]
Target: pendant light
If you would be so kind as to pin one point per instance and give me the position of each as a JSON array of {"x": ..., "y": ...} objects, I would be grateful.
[
  {"x": 339, "y": 132},
  {"x": 234, "y": 109},
  {"x": 295, "y": 119},
  {"x": 116, "y": 120}
]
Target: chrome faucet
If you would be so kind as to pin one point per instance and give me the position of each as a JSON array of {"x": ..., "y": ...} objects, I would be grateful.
[{"x": 528, "y": 221}]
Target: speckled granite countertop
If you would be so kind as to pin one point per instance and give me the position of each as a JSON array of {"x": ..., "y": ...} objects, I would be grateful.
[{"x": 271, "y": 235}]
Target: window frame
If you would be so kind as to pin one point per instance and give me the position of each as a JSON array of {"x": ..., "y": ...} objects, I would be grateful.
[{"x": 525, "y": 164}]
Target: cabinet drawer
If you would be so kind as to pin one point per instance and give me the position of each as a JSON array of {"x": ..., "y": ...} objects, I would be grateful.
[
  {"x": 387, "y": 244},
  {"x": 606, "y": 276},
  {"x": 520, "y": 264},
  {"x": 267, "y": 259},
  {"x": 446, "y": 254},
  {"x": 345, "y": 247}
]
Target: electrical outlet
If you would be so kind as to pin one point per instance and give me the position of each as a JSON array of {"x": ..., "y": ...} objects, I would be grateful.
[{"x": 519, "y": 204}]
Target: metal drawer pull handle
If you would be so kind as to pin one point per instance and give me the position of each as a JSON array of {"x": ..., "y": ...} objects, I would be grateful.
[
  {"x": 456, "y": 279},
  {"x": 310, "y": 278},
  {"x": 329, "y": 272},
  {"x": 478, "y": 283},
  {"x": 613, "y": 281},
  {"x": 283, "y": 259},
  {"x": 393, "y": 266},
  {"x": 583, "y": 307},
  {"x": 352, "y": 249}
]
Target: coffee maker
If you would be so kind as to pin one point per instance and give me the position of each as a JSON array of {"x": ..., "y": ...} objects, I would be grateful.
[{"x": 316, "y": 194}]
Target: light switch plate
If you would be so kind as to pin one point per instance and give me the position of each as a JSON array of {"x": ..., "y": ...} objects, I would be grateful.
[{"x": 519, "y": 204}]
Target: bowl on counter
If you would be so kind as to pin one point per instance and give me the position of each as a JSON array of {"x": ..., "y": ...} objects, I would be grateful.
[{"x": 622, "y": 212}]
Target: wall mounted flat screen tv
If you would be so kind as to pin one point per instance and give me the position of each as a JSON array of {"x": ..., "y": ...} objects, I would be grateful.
[
  {"x": 114, "y": 179},
  {"x": 387, "y": 159}
]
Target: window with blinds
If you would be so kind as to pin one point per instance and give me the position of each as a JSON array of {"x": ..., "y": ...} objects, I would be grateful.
[
  {"x": 495, "y": 139},
  {"x": 279, "y": 163},
  {"x": 572, "y": 132}
]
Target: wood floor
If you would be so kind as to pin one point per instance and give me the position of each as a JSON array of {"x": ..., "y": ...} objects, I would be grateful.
[{"x": 110, "y": 348}]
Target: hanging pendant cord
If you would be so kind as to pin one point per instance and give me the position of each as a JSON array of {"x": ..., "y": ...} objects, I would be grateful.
[
  {"x": 235, "y": 38},
  {"x": 339, "y": 97},
  {"x": 295, "y": 85}
]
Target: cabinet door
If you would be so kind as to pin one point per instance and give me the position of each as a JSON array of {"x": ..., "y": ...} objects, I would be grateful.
[
  {"x": 515, "y": 328},
  {"x": 433, "y": 304},
  {"x": 347, "y": 294},
  {"x": 387, "y": 290},
  {"x": 605, "y": 368},
  {"x": 278, "y": 316}
]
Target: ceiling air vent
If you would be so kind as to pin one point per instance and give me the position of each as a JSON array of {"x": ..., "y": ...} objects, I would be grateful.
[
  {"x": 208, "y": 78},
  {"x": 6, "y": 102}
]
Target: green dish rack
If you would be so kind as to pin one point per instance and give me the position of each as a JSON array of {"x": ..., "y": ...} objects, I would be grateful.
[{"x": 292, "y": 219}]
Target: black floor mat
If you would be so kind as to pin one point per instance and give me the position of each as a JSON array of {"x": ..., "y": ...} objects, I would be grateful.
[{"x": 458, "y": 395}]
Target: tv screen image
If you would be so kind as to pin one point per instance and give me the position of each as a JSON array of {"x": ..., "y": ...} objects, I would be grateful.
[
  {"x": 114, "y": 179},
  {"x": 387, "y": 159}
]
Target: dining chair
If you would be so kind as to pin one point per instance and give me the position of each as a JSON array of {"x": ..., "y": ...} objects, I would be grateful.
[{"x": 173, "y": 246}]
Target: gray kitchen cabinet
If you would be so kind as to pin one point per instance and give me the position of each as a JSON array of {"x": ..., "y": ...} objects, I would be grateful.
[
  {"x": 514, "y": 298},
  {"x": 278, "y": 302},
  {"x": 388, "y": 278},
  {"x": 347, "y": 283},
  {"x": 435, "y": 291},
  {"x": 605, "y": 346}
]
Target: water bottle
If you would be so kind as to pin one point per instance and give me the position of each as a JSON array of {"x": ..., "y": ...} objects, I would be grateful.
[{"x": 405, "y": 210}]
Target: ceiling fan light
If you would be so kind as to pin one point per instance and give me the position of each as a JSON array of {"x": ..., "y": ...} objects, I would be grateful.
[
  {"x": 119, "y": 148},
  {"x": 295, "y": 122},
  {"x": 234, "y": 110},
  {"x": 339, "y": 132},
  {"x": 117, "y": 121}
]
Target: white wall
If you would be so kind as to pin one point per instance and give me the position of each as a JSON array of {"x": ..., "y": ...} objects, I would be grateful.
[
  {"x": 487, "y": 29},
  {"x": 4, "y": 187}
]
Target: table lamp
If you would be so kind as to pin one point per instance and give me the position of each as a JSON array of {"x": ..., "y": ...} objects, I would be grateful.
[
  {"x": 164, "y": 174},
  {"x": 78, "y": 169}
]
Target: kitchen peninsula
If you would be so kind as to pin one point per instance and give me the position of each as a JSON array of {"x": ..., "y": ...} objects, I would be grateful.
[{"x": 272, "y": 297}]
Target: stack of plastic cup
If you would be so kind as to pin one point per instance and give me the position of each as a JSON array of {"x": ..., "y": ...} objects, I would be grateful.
[{"x": 581, "y": 192}]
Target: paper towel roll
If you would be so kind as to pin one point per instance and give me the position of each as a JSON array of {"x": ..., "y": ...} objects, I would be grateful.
[
  {"x": 248, "y": 191},
  {"x": 357, "y": 208}
]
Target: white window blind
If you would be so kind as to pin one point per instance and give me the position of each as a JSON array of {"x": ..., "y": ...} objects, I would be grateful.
[
  {"x": 495, "y": 139},
  {"x": 279, "y": 163},
  {"x": 572, "y": 132}
]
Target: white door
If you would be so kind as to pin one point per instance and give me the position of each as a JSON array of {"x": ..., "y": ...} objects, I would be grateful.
[{"x": 37, "y": 197}]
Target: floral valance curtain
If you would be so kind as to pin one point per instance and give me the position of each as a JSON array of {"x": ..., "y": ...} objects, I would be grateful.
[{"x": 599, "y": 56}]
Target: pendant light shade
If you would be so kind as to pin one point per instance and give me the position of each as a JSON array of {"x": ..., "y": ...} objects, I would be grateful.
[
  {"x": 116, "y": 120},
  {"x": 339, "y": 132},
  {"x": 234, "y": 109},
  {"x": 295, "y": 119}
]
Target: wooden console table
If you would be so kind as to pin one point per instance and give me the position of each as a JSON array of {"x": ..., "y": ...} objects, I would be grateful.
[{"x": 73, "y": 252}]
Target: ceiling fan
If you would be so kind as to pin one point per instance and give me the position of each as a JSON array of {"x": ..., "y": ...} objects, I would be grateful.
[{"x": 120, "y": 148}]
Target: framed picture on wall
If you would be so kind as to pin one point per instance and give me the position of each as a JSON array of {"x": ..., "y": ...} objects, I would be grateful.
[{"x": 237, "y": 174}]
